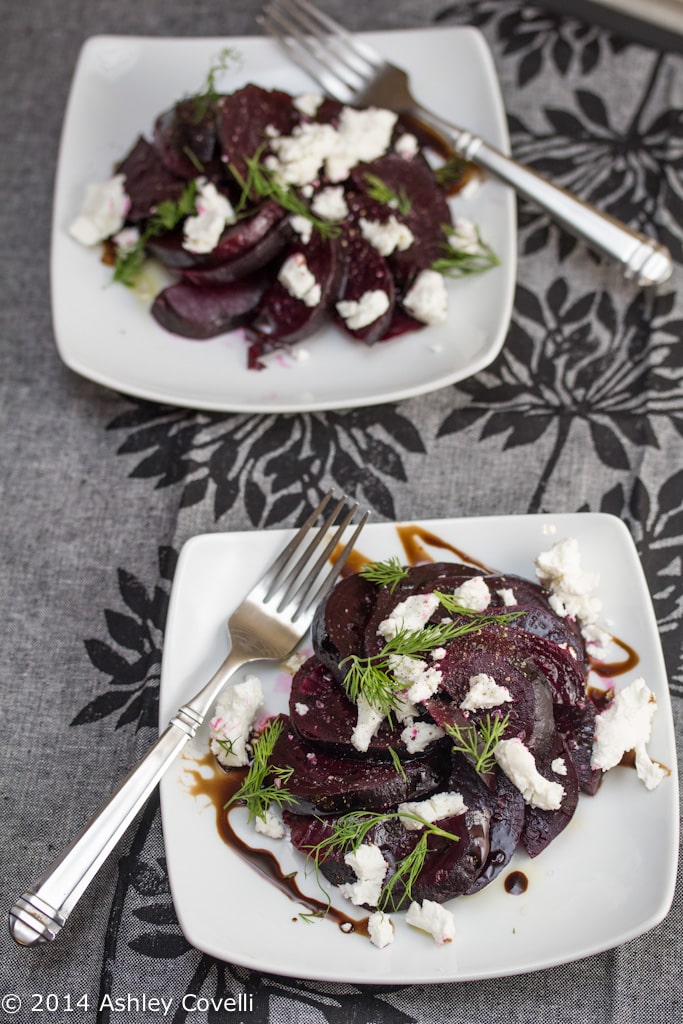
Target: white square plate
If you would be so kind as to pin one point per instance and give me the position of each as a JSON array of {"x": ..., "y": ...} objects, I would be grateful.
[
  {"x": 582, "y": 896},
  {"x": 104, "y": 331}
]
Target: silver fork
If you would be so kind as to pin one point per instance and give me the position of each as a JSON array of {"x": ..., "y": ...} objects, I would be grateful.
[
  {"x": 351, "y": 71},
  {"x": 268, "y": 624}
]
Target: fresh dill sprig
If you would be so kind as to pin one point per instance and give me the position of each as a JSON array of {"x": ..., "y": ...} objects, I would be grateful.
[
  {"x": 387, "y": 573},
  {"x": 167, "y": 215},
  {"x": 451, "y": 604},
  {"x": 207, "y": 92},
  {"x": 257, "y": 791},
  {"x": 372, "y": 677},
  {"x": 459, "y": 261},
  {"x": 227, "y": 746},
  {"x": 398, "y": 764},
  {"x": 479, "y": 740},
  {"x": 452, "y": 170},
  {"x": 263, "y": 182},
  {"x": 351, "y": 830},
  {"x": 379, "y": 190}
]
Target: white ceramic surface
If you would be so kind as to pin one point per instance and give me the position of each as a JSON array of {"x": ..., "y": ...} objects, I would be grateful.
[
  {"x": 104, "y": 331},
  {"x": 607, "y": 878}
]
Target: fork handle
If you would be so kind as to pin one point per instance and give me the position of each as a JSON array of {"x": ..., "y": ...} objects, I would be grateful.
[
  {"x": 641, "y": 259},
  {"x": 40, "y": 914}
]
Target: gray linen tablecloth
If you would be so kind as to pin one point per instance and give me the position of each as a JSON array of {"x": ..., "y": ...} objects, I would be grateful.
[{"x": 582, "y": 411}]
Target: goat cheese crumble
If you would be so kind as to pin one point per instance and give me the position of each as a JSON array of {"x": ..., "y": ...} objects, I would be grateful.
[
  {"x": 409, "y": 615},
  {"x": 624, "y": 726},
  {"x": 427, "y": 298},
  {"x": 473, "y": 594},
  {"x": 387, "y": 237},
  {"x": 432, "y": 918},
  {"x": 202, "y": 231},
  {"x": 484, "y": 692},
  {"x": 359, "y": 313},
  {"x": 234, "y": 716},
  {"x": 370, "y": 868},
  {"x": 519, "y": 764},
  {"x": 381, "y": 929},
  {"x": 296, "y": 277},
  {"x": 437, "y": 807},
  {"x": 103, "y": 212},
  {"x": 418, "y": 735}
]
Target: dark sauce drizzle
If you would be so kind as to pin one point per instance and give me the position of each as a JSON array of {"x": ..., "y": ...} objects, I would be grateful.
[
  {"x": 220, "y": 787},
  {"x": 516, "y": 883}
]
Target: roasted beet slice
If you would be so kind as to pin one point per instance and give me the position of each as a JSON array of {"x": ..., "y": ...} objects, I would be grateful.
[
  {"x": 540, "y": 826},
  {"x": 244, "y": 116},
  {"x": 323, "y": 716},
  {"x": 205, "y": 312},
  {"x": 328, "y": 784},
  {"x": 185, "y": 137},
  {"x": 537, "y": 616},
  {"x": 421, "y": 579},
  {"x": 505, "y": 808},
  {"x": 283, "y": 318},
  {"x": 245, "y": 246},
  {"x": 577, "y": 728},
  {"x": 339, "y": 625},
  {"x": 426, "y": 215},
  {"x": 450, "y": 867},
  {"x": 148, "y": 181},
  {"x": 366, "y": 274}
]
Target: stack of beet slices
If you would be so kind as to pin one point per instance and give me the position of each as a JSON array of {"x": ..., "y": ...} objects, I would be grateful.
[
  {"x": 236, "y": 284},
  {"x": 539, "y": 657}
]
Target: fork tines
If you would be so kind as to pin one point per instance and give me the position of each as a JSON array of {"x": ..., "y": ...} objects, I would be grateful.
[
  {"x": 300, "y": 582},
  {"x": 338, "y": 60}
]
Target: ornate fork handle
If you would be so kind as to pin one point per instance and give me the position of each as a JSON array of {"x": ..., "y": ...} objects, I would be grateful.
[
  {"x": 40, "y": 914},
  {"x": 641, "y": 259}
]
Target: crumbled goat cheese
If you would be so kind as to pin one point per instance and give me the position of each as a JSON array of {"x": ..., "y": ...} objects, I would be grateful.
[
  {"x": 410, "y": 615},
  {"x": 406, "y": 145},
  {"x": 433, "y": 918},
  {"x": 437, "y": 807},
  {"x": 330, "y": 204},
  {"x": 419, "y": 679},
  {"x": 359, "y": 313},
  {"x": 386, "y": 237},
  {"x": 427, "y": 298},
  {"x": 507, "y": 596},
  {"x": 598, "y": 641},
  {"x": 202, "y": 231},
  {"x": 484, "y": 692},
  {"x": 381, "y": 929},
  {"x": 438, "y": 653},
  {"x": 473, "y": 594},
  {"x": 308, "y": 103},
  {"x": 362, "y": 135},
  {"x": 229, "y": 729},
  {"x": 370, "y": 868},
  {"x": 272, "y": 825},
  {"x": 126, "y": 239},
  {"x": 295, "y": 276},
  {"x": 559, "y": 766},
  {"x": 559, "y": 571},
  {"x": 519, "y": 765},
  {"x": 418, "y": 735},
  {"x": 368, "y": 722},
  {"x": 624, "y": 726},
  {"x": 301, "y": 709},
  {"x": 103, "y": 212},
  {"x": 303, "y": 227},
  {"x": 464, "y": 236}
]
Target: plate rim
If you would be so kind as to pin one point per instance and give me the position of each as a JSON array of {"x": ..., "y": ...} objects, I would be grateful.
[
  {"x": 166, "y": 395},
  {"x": 665, "y": 894}
]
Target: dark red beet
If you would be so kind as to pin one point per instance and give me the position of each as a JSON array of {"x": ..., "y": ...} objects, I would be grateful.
[
  {"x": 148, "y": 181},
  {"x": 577, "y": 727},
  {"x": 282, "y": 318},
  {"x": 450, "y": 867},
  {"x": 331, "y": 717},
  {"x": 245, "y": 246},
  {"x": 327, "y": 784},
  {"x": 244, "y": 116},
  {"x": 540, "y": 826},
  {"x": 185, "y": 138},
  {"x": 505, "y": 808},
  {"x": 205, "y": 312},
  {"x": 339, "y": 625},
  {"x": 365, "y": 271}
]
